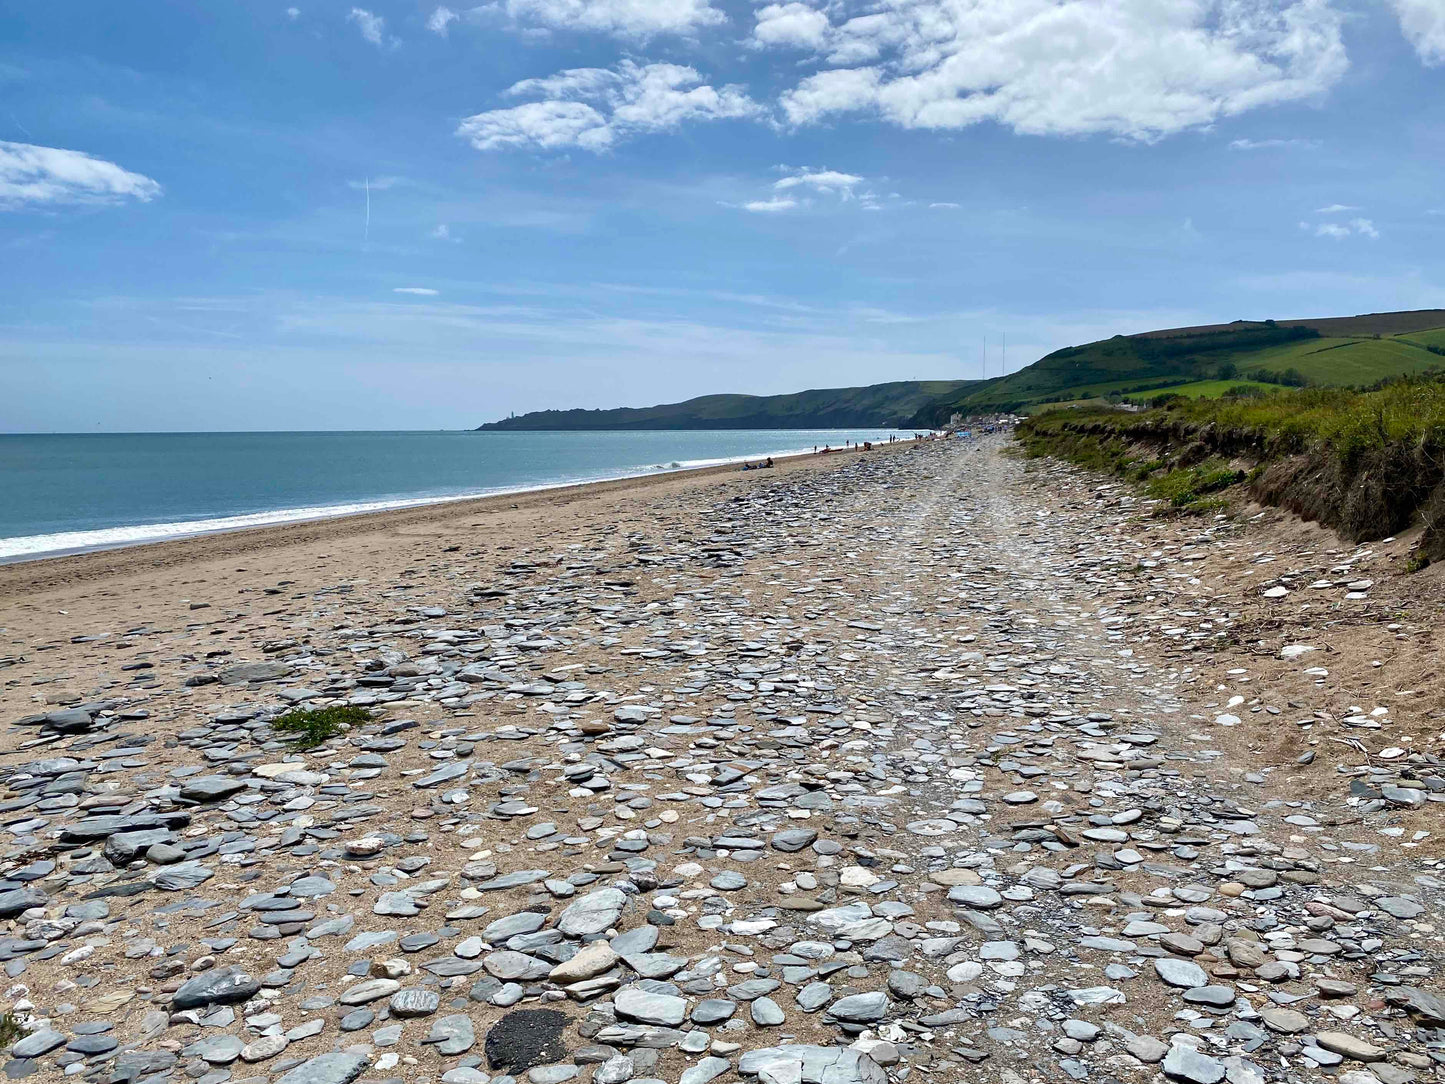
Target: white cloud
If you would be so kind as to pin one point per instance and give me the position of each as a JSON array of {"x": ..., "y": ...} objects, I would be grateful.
[
  {"x": 293, "y": 13},
  {"x": 770, "y": 206},
  {"x": 1272, "y": 144},
  {"x": 1140, "y": 69},
  {"x": 944, "y": 206},
  {"x": 440, "y": 19},
  {"x": 822, "y": 180},
  {"x": 1339, "y": 231},
  {"x": 1334, "y": 209},
  {"x": 593, "y": 108},
  {"x": 792, "y": 24},
  {"x": 419, "y": 291},
  {"x": 372, "y": 27},
  {"x": 637, "y": 19},
  {"x": 50, "y": 175},
  {"x": 443, "y": 232},
  {"x": 1423, "y": 24},
  {"x": 804, "y": 187}
]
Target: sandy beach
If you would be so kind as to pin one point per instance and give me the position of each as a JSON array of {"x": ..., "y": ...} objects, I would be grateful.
[{"x": 930, "y": 760}]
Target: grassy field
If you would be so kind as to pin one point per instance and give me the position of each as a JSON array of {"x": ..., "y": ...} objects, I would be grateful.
[
  {"x": 1207, "y": 389},
  {"x": 1435, "y": 337},
  {"x": 1335, "y": 362},
  {"x": 1355, "y": 351}
]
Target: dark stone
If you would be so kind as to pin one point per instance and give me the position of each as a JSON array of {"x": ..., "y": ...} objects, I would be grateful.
[
  {"x": 526, "y": 1038},
  {"x": 223, "y": 985}
]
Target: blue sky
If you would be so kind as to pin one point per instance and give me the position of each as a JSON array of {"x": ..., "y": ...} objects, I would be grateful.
[{"x": 609, "y": 202}]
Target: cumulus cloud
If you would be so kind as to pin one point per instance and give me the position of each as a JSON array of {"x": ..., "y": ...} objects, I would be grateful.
[
  {"x": 1335, "y": 209},
  {"x": 372, "y": 27},
  {"x": 293, "y": 13},
  {"x": 31, "y": 175},
  {"x": 794, "y": 25},
  {"x": 1140, "y": 69},
  {"x": 595, "y": 108},
  {"x": 619, "y": 18},
  {"x": 1423, "y": 24},
  {"x": 1339, "y": 231},
  {"x": 441, "y": 19},
  {"x": 419, "y": 291}
]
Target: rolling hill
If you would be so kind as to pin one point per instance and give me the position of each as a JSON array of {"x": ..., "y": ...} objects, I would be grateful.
[
  {"x": 1207, "y": 361},
  {"x": 876, "y": 406},
  {"x": 1351, "y": 350}
]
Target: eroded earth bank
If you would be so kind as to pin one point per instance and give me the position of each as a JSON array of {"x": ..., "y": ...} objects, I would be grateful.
[{"x": 936, "y": 764}]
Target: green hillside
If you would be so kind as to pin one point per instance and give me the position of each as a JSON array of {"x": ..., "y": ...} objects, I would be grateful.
[
  {"x": 1207, "y": 361},
  {"x": 1333, "y": 351},
  {"x": 876, "y": 406}
]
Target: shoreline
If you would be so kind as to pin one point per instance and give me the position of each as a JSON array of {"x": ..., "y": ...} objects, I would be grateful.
[
  {"x": 24, "y": 574},
  {"x": 144, "y": 534}
]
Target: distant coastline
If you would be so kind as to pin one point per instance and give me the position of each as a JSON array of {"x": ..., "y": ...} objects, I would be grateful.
[{"x": 894, "y": 405}]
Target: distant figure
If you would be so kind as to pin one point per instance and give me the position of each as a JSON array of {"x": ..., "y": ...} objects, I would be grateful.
[
  {"x": 826, "y": 449},
  {"x": 769, "y": 463},
  {"x": 867, "y": 445}
]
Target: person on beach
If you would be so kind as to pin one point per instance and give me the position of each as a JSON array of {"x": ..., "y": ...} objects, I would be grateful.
[{"x": 769, "y": 463}]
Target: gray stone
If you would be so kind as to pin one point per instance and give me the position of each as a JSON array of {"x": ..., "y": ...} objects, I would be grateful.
[
  {"x": 37, "y": 1043},
  {"x": 451, "y": 1035},
  {"x": 704, "y": 1071},
  {"x": 1182, "y": 973},
  {"x": 222, "y": 986},
  {"x": 813, "y": 1065},
  {"x": 327, "y": 1069},
  {"x": 766, "y": 1013},
  {"x": 661, "y": 1009},
  {"x": 414, "y": 1002},
  {"x": 211, "y": 788},
  {"x": 593, "y": 913},
  {"x": 860, "y": 1008},
  {"x": 1185, "y": 1063}
]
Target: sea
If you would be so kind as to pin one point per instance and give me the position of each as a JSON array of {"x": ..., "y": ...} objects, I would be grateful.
[{"x": 69, "y": 493}]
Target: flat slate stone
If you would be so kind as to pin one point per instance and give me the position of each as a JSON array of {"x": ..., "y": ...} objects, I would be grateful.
[
  {"x": 593, "y": 913},
  {"x": 451, "y": 1035},
  {"x": 211, "y": 788},
  {"x": 37, "y": 1043},
  {"x": 327, "y": 1069},
  {"x": 813, "y": 1065},
  {"x": 664, "y": 1010},
  {"x": 222, "y": 986}
]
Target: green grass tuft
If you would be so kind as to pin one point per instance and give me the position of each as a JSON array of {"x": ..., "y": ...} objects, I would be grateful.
[
  {"x": 310, "y": 728},
  {"x": 1185, "y": 487},
  {"x": 10, "y": 1031}
]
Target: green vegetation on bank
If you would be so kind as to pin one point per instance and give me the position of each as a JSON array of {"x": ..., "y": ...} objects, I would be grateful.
[
  {"x": 877, "y": 406},
  {"x": 1368, "y": 463}
]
